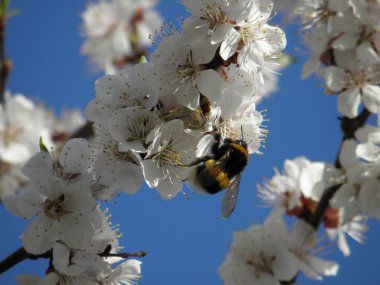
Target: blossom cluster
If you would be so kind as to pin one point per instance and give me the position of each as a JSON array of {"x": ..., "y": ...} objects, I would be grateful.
[
  {"x": 155, "y": 119},
  {"x": 22, "y": 124},
  {"x": 343, "y": 39},
  {"x": 270, "y": 254},
  {"x": 344, "y": 42},
  {"x": 117, "y": 31},
  {"x": 300, "y": 187},
  {"x": 66, "y": 221}
]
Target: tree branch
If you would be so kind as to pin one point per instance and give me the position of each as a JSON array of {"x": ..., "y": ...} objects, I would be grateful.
[
  {"x": 21, "y": 254},
  {"x": 348, "y": 127},
  {"x": 18, "y": 256},
  {"x": 5, "y": 63},
  {"x": 86, "y": 131},
  {"x": 141, "y": 253}
]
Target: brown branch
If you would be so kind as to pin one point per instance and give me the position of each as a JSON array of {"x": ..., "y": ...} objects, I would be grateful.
[
  {"x": 5, "y": 63},
  {"x": 141, "y": 253},
  {"x": 348, "y": 127},
  {"x": 21, "y": 254},
  {"x": 18, "y": 256},
  {"x": 86, "y": 131},
  {"x": 323, "y": 204}
]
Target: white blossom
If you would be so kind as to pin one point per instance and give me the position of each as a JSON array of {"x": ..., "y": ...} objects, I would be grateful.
[
  {"x": 115, "y": 29},
  {"x": 259, "y": 255},
  {"x": 303, "y": 243},
  {"x": 255, "y": 40},
  {"x": 60, "y": 199},
  {"x": 170, "y": 150}
]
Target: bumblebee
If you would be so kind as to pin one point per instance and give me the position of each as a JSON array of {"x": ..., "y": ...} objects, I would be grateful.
[{"x": 223, "y": 170}]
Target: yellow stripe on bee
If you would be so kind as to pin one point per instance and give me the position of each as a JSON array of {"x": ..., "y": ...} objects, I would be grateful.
[
  {"x": 223, "y": 180},
  {"x": 215, "y": 171},
  {"x": 242, "y": 149}
]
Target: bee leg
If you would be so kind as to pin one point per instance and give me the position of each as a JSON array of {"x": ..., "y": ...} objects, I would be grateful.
[{"x": 195, "y": 162}]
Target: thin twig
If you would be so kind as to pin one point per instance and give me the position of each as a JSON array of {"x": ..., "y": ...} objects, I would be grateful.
[
  {"x": 5, "y": 64},
  {"x": 21, "y": 254},
  {"x": 141, "y": 253},
  {"x": 18, "y": 256}
]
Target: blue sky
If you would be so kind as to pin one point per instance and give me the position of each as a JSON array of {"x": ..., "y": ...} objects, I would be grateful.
[{"x": 186, "y": 239}]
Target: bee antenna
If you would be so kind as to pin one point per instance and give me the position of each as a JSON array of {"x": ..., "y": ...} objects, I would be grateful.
[{"x": 242, "y": 137}]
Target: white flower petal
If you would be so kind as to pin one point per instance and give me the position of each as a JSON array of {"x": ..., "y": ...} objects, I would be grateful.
[
  {"x": 220, "y": 33},
  {"x": 366, "y": 54},
  {"x": 78, "y": 198},
  {"x": 336, "y": 78},
  {"x": 347, "y": 156},
  {"x": 15, "y": 153},
  {"x": 152, "y": 172},
  {"x": 310, "y": 67},
  {"x": 130, "y": 177},
  {"x": 39, "y": 236},
  {"x": 229, "y": 45},
  {"x": 286, "y": 265},
  {"x": 76, "y": 230},
  {"x": 37, "y": 166},
  {"x": 344, "y": 195},
  {"x": 371, "y": 98},
  {"x": 75, "y": 156},
  {"x": 136, "y": 146},
  {"x": 345, "y": 42},
  {"x": 51, "y": 278},
  {"x": 343, "y": 245},
  {"x": 61, "y": 257},
  {"x": 169, "y": 188},
  {"x": 348, "y": 102},
  {"x": 368, "y": 151},
  {"x": 210, "y": 84},
  {"x": 25, "y": 205}
]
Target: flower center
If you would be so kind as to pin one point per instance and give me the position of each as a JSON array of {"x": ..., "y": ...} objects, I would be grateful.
[
  {"x": 315, "y": 16},
  {"x": 138, "y": 129},
  {"x": 10, "y": 134},
  {"x": 214, "y": 15},
  {"x": 113, "y": 152},
  {"x": 54, "y": 209},
  {"x": 188, "y": 69},
  {"x": 168, "y": 155},
  {"x": 261, "y": 263},
  {"x": 358, "y": 79}
]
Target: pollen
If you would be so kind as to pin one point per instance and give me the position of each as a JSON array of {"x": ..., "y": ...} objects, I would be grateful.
[
  {"x": 187, "y": 70},
  {"x": 54, "y": 209},
  {"x": 168, "y": 155},
  {"x": 10, "y": 134},
  {"x": 214, "y": 15}
]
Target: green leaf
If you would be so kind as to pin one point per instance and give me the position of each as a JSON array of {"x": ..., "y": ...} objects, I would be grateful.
[
  {"x": 4, "y": 7},
  {"x": 43, "y": 147},
  {"x": 142, "y": 59}
]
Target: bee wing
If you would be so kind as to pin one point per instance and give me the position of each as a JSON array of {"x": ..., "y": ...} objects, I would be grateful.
[{"x": 230, "y": 197}]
